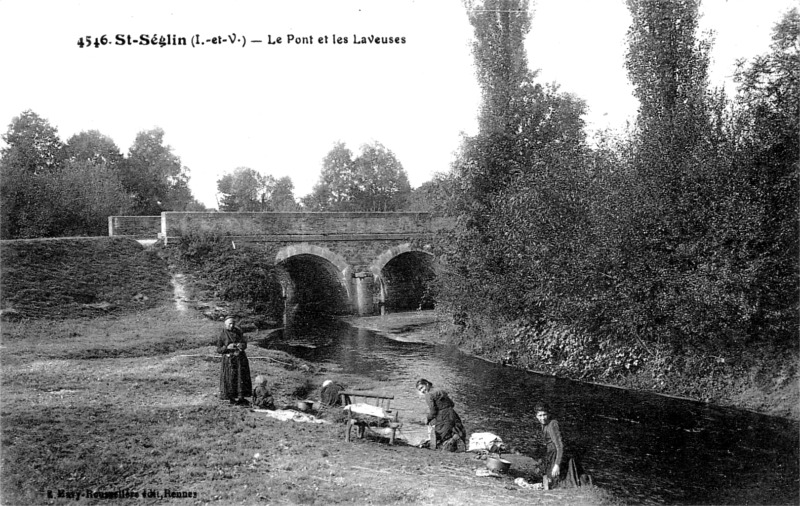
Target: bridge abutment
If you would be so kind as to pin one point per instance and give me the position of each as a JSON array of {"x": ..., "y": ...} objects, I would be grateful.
[{"x": 364, "y": 293}]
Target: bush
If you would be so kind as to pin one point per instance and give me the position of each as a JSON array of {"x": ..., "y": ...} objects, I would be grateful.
[
  {"x": 237, "y": 274},
  {"x": 569, "y": 352}
]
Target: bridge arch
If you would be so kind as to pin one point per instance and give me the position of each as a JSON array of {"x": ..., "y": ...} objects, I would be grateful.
[
  {"x": 384, "y": 258},
  {"x": 304, "y": 248},
  {"x": 314, "y": 278},
  {"x": 401, "y": 275}
]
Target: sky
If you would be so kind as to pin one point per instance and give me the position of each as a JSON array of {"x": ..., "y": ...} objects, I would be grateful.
[{"x": 279, "y": 108}]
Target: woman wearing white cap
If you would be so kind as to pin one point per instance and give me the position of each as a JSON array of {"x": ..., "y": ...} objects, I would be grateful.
[
  {"x": 234, "y": 378},
  {"x": 329, "y": 395}
]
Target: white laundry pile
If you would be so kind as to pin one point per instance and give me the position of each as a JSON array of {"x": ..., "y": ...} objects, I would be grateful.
[
  {"x": 521, "y": 482},
  {"x": 286, "y": 415},
  {"x": 361, "y": 408},
  {"x": 414, "y": 434},
  {"x": 485, "y": 441}
]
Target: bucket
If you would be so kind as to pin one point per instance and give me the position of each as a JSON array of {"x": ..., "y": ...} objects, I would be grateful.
[{"x": 499, "y": 465}]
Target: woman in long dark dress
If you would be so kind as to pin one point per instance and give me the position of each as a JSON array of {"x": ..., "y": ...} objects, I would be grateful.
[
  {"x": 234, "y": 378},
  {"x": 551, "y": 435},
  {"x": 448, "y": 426}
]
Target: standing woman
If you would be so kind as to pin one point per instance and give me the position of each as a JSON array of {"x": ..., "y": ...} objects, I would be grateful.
[
  {"x": 553, "y": 443},
  {"x": 448, "y": 426},
  {"x": 551, "y": 435},
  {"x": 234, "y": 379}
]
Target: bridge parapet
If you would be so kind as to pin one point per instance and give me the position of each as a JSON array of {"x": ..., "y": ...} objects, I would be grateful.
[
  {"x": 138, "y": 227},
  {"x": 301, "y": 227}
]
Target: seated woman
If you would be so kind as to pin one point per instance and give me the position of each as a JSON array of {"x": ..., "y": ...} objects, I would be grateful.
[
  {"x": 329, "y": 395},
  {"x": 448, "y": 426},
  {"x": 262, "y": 398}
]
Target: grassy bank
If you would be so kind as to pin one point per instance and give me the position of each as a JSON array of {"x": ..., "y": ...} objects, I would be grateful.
[
  {"x": 125, "y": 404},
  {"x": 80, "y": 277}
]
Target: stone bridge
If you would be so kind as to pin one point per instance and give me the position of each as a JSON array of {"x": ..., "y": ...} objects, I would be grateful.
[{"x": 339, "y": 262}]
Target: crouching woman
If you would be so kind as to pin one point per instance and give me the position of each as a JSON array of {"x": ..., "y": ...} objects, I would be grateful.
[{"x": 447, "y": 424}]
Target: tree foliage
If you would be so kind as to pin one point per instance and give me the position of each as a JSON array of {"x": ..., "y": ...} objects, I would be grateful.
[
  {"x": 52, "y": 189},
  {"x": 500, "y": 27},
  {"x": 282, "y": 197},
  {"x": 381, "y": 182},
  {"x": 154, "y": 176},
  {"x": 767, "y": 163},
  {"x": 49, "y": 189},
  {"x": 33, "y": 145},
  {"x": 434, "y": 196},
  {"x": 373, "y": 181},
  {"x": 94, "y": 147},
  {"x": 520, "y": 184},
  {"x": 247, "y": 190},
  {"x": 242, "y": 190},
  {"x": 679, "y": 234}
]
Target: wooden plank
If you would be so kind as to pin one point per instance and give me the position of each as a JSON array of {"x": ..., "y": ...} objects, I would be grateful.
[{"x": 371, "y": 395}]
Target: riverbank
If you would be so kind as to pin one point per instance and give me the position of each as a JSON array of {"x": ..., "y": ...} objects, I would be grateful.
[
  {"x": 776, "y": 396},
  {"x": 120, "y": 405}
]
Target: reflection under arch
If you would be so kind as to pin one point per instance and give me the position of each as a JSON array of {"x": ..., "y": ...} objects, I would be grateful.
[
  {"x": 314, "y": 280},
  {"x": 402, "y": 278}
]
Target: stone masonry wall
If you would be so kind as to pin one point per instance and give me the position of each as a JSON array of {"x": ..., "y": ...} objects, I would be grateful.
[
  {"x": 134, "y": 226},
  {"x": 323, "y": 225},
  {"x": 358, "y": 254}
]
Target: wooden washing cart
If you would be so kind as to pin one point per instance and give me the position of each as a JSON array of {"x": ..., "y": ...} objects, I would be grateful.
[{"x": 373, "y": 411}]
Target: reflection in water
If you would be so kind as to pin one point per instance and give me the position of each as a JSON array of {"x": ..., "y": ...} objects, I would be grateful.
[{"x": 644, "y": 448}]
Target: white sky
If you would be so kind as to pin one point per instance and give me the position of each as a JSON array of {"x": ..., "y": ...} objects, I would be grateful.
[{"x": 280, "y": 108}]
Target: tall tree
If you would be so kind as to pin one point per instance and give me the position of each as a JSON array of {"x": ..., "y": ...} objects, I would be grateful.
[
  {"x": 243, "y": 190},
  {"x": 33, "y": 152},
  {"x": 154, "y": 176},
  {"x": 281, "y": 198},
  {"x": 334, "y": 190},
  {"x": 381, "y": 181},
  {"x": 374, "y": 181},
  {"x": 50, "y": 190},
  {"x": 33, "y": 145},
  {"x": 767, "y": 160},
  {"x": 668, "y": 67},
  {"x": 500, "y": 28},
  {"x": 247, "y": 190},
  {"x": 84, "y": 195},
  {"x": 675, "y": 195},
  {"x": 92, "y": 146},
  {"x": 519, "y": 180}
]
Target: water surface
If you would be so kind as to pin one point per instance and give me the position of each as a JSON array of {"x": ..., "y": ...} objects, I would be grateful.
[{"x": 645, "y": 448}]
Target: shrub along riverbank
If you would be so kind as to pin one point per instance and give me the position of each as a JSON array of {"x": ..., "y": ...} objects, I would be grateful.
[{"x": 758, "y": 378}]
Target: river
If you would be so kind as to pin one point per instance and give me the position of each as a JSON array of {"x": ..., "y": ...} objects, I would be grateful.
[{"x": 645, "y": 448}]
